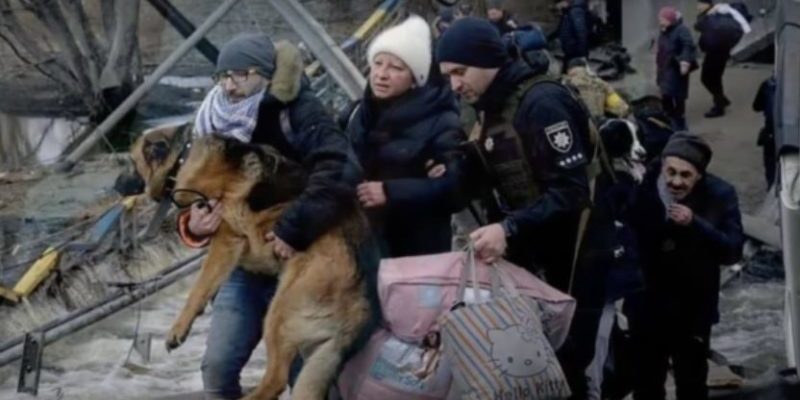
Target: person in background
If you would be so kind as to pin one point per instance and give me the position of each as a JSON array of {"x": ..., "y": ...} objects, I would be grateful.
[
  {"x": 676, "y": 58},
  {"x": 765, "y": 103},
  {"x": 688, "y": 224},
  {"x": 573, "y": 30},
  {"x": 465, "y": 8},
  {"x": 406, "y": 133},
  {"x": 721, "y": 27},
  {"x": 600, "y": 98},
  {"x": 608, "y": 372},
  {"x": 500, "y": 17},
  {"x": 443, "y": 20}
]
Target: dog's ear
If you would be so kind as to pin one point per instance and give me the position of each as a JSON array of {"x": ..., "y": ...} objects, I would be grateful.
[
  {"x": 155, "y": 152},
  {"x": 617, "y": 138},
  {"x": 235, "y": 151},
  {"x": 286, "y": 184}
]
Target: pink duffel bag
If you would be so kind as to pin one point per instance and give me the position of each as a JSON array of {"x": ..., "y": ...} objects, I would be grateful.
[
  {"x": 391, "y": 369},
  {"x": 415, "y": 291}
]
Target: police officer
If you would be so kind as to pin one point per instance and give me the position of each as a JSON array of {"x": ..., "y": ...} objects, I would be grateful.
[{"x": 536, "y": 144}]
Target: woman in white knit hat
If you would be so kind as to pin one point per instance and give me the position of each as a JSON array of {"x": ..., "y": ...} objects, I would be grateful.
[{"x": 406, "y": 134}]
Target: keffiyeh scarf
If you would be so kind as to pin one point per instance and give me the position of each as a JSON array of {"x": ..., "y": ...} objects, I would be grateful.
[{"x": 218, "y": 115}]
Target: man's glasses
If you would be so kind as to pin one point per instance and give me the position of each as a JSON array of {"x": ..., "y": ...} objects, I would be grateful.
[{"x": 237, "y": 77}]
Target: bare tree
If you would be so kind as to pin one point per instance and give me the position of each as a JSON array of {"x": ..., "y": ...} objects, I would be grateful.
[{"x": 83, "y": 58}]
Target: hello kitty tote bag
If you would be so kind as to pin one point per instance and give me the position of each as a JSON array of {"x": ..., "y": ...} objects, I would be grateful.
[{"x": 497, "y": 347}]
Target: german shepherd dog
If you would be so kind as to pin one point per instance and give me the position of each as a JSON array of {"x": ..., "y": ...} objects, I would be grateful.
[{"x": 322, "y": 308}]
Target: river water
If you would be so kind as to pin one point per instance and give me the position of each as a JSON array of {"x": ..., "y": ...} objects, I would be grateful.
[{"x": 92, "y": 363}]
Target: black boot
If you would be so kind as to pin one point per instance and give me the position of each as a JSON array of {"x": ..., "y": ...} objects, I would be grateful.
[{"x": 715, "y": 112}]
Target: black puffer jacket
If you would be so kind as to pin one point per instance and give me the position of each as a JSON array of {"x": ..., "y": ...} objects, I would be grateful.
[
  {"x": 682, "y": 263},
  {"x": 675, "y": 45},
  {"x": 317, "y": 143},
  {"x": 574, "y": 29},
  {"x": 394, "y": 141}
]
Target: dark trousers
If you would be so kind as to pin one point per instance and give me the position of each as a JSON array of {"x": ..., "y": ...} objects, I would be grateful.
[
  {"x": 577, "y": 352},
  {"x": 767, "y": 142},
  {"x": 713, "y": 69},
  {"x": 237, "y": 321},
  {"x": 675, "y": 108},
  {"x": 659, "y": 339}
]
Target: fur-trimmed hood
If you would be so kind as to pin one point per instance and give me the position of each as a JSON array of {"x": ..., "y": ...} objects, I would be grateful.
[{"x": 288, "y": 76}]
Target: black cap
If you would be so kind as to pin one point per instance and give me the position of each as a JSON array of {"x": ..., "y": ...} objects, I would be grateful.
[{"x": 473, "y": 42}]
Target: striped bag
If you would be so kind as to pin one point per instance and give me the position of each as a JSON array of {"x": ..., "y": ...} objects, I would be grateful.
[{"x": 497, "y": 347}]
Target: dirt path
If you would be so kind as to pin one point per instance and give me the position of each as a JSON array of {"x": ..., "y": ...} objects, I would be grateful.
[{"x": 733, "y": 137}]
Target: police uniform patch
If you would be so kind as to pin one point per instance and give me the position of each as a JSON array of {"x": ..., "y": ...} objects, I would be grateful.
[{"x": 559, "y": 136}]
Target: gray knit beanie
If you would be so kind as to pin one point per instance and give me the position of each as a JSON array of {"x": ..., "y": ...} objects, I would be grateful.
[
  {"x": 246, "y": 51},
  {"x": 689, "y": 147}
]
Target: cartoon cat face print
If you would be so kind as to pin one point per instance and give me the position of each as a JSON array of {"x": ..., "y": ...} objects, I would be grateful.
[{"x": 516, "y": 360}]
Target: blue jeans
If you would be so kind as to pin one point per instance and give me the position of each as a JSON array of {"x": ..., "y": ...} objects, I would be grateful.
[{"x": 237, "y": 322}]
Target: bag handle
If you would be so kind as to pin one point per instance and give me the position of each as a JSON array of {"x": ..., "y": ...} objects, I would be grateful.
[
  {"x": 500, "y": 279},
  {"x": 468, "y": 269}
]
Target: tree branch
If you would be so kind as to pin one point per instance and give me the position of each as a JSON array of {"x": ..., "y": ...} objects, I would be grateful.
[
  {"x": 107, "y": 8},
  {"x": 78, "y": 24},
  {"x": 124, "y": 45},
  {"x": 17, "y": 39},
  {"x": 49, "y": 12}
]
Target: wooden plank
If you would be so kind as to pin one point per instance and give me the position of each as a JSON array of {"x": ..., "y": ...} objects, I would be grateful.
[
  {"x": 37, "y": 273},
  {"x": 9, "y": 294},
  {"x": 762, "y": 230}
]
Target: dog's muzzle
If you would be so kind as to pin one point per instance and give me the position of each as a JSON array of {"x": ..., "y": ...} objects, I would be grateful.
[{"x": 129, "y": 183}]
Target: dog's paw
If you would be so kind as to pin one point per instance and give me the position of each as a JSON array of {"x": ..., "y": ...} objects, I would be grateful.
[{"x": 176, "y": 336}]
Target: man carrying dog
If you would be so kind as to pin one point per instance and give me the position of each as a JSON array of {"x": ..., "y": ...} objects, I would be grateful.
[
  {"x": 536, "y": 142},
  {"x": 688, "y": 224},
  {"x": 262, "y": 96}
]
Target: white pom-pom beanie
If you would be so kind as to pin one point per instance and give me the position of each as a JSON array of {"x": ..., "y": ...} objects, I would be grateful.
[{"x": 411, "y": 42}]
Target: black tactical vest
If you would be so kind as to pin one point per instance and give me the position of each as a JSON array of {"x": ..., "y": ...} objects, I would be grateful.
[{"x": 503, "y": 152}]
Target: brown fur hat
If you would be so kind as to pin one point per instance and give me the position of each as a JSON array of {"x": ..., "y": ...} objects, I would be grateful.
[{"x": 288, "y": 76}]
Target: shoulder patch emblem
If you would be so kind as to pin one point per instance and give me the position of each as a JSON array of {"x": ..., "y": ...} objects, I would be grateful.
[
  {"x": 559, "y": 136},
  {"x": 489, "y": 145}
]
